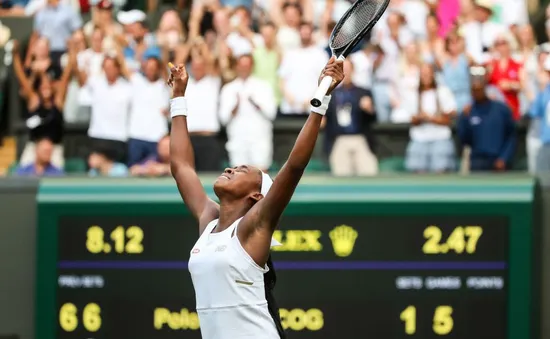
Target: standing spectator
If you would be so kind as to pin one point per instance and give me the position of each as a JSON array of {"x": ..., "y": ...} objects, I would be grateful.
[
  {"x": 267, "y": 58},
  {"x": 431, "y": 148},
  {"x": 288, "y": 35},
  {"x": 138, "y": 39},
  {"x": 481, "y": 32},
  {"x": 363, "y": 63},
  {"x": 38, "y": 61},
  {"x": 348, "y": 129},
  {"x": 111, "y": 96},
  {"x": 433, "y": 45},
  {"x": 527, "y": 56},
  {"x": 298, "y": 70},
  {"x": 505, "y": 72},
  {"x": 170, "y": 33},
  {"x": 404, "y": 90},
  {"x": 242, "y": 39},
  {"x": 102, "y": 163},
  {"x": 42, "y": 163},
  {"x": 57, "y": 22},
  {"x": 45, "y": 110},
  {"x": 542, "y": 79},
  {"x": 489, "y": 130},
  {"x": 156, "y": 165},
  {"x": 447, "y": 13},
  {"x": 203, "y": 94},
  {"x": 102, "y": 19},
  {"x": 455, "y": 70},
  {"x": 540, "y": 110},
  {"x": 150, "y": 97},
  {"x": 248, "y": 107}
]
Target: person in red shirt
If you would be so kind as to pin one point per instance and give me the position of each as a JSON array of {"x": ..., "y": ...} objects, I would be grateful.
[{"x": 505, "y": 73}]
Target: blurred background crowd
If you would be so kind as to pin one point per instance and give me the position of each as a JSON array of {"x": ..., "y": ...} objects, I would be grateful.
[{"x": 460, "y": 74}]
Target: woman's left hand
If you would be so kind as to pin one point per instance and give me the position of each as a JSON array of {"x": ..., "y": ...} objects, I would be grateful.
[{"x": 334, "y": 69}]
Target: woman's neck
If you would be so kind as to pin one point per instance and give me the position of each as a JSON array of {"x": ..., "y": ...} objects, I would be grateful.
[{"x": 229, "y": 213}]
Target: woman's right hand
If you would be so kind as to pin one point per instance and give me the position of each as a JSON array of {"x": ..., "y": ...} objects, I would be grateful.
[{"x": 178, "y": 80}]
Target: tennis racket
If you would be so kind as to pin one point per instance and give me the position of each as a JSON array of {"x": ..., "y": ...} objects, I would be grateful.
[{"x": 357, "y": 22}]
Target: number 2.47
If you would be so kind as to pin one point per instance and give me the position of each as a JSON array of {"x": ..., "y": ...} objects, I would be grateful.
[{"x": 443, "y": 322}]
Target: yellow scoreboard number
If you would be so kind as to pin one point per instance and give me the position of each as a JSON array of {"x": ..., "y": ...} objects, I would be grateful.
[
  {"x": 124, "y": 240},
  {"x": 463, "y": 239},
  {"x": 443, "y": 322},
  {"x": 91, "y": 317}
]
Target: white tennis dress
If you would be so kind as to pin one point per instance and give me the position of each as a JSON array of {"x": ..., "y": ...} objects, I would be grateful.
[{"x": 229, "y": 288}]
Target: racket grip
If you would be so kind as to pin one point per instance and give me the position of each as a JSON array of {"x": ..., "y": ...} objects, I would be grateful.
[{"x": 321, "y": 91}]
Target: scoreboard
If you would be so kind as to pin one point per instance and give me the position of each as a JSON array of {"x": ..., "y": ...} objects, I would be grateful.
[{"x": 348, "y": 266}]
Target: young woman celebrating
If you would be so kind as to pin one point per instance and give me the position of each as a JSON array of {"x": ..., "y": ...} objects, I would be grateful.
[{"x": 230, "y": 263}]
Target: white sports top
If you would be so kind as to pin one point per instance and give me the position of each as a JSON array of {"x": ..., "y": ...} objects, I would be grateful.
[{"x": 229, "y": 288}]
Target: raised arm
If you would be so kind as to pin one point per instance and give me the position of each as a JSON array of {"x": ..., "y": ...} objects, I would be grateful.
[
  {"x": 182, "y": 158},
  {"x": 24, "y": 82},
  {"x": 264, "y": 216},
  {"x": 66, "y": 77}
]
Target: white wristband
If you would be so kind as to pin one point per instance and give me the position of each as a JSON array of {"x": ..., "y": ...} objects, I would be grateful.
[
  {"x": 178, "y": 106},
  {"x": 324, "y": 106}
]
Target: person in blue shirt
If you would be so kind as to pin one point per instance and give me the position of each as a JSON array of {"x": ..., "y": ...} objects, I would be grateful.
[
  {"x": 157, "y": 164},
  {"x": 489, "y": 129},
  {"x": 348, "y": 121},
  {"x": 540, "y": 110},
  {"x": 102, "y": 163},
  {"x": 42, "y": 165}
]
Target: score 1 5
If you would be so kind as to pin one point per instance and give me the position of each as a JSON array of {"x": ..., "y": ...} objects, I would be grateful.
[
  {"x": 443, "y": 322},
  {"x": 123, "y": 240},
  {"x": 462, "y": 239}
]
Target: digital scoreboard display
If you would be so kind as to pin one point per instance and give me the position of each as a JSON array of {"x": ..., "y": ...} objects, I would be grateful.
[{"x": 382, "y": 277}]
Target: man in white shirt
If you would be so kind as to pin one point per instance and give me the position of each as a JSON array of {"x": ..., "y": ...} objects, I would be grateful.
[
  {"x": 247, "y": 108},
  {"x": 111, "y": 96},
  {"x": 298, "y": 71},
  {"x": 203, "y": 94},
  {"x": 148, "y": 121},
  {"x": 481, "y": 33}
]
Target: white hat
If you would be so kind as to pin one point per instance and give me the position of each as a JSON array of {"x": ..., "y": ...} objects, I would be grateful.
[
  {"x": 131, "y": 17},
  {"x": 486, "y": 4}
]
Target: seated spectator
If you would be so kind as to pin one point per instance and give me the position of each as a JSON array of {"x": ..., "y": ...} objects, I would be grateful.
[
  {"x": 45, "y": 109},
  {"x": 156, "y": 165},
  {"x": 102, "y": 163},
  {"x": 489, "y": 130},
  {"x": 404, "y": 90},
  {"x": 431, "y": 148},
  {"x": 150, "y": 98},
  {"x": 111, "y": 96},
  {"x": 42, "y": 164},
  {"x": 348, "y": 129},
  {"x": 247, "y": 108},
  {"x": 298, "y": 73}
]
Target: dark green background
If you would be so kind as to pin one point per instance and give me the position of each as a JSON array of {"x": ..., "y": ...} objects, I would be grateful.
[{"x": 350, "y": 200}]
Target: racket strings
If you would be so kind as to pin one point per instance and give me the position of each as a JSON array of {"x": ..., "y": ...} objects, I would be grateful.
[{"x": 359, "y": 17}]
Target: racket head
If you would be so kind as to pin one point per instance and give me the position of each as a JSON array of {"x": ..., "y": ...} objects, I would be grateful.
[{"x": 356, "y": 22}]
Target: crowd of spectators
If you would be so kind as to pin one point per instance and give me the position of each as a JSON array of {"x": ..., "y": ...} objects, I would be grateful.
[{"x": 427, "y": 63}]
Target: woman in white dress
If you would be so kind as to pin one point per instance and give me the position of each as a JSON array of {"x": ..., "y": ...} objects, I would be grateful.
[{"x": 230, "y": 264}]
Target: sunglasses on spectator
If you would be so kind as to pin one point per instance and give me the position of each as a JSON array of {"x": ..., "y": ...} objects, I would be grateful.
[{"x": 501, "y": 42}]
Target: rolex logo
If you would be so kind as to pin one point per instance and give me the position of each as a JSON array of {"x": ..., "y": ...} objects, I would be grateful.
[{"x": 343, "y": 240}]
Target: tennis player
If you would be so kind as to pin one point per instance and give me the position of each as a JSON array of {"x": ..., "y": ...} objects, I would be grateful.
[{"x": 230, "y": 264}]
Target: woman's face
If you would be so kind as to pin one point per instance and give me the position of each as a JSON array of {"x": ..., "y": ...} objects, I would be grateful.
[
  {"x": 97, "y": 40},
  {"x": 111, "y": 69},
  {"x": 151, "y": 69},
  {"x": 79, "y": 40},
  {"x": 526, "y": 35},
  {"x": 46, "y": 88},
  {"x": 426, "y": 75},
  {"x": 238, "y": 182},
  {"x": 502, "y": 46},
  {"x": 411, "y": 52},
  {"x": 432, "y": 25},
  {"x": 454, "y": 45}
]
